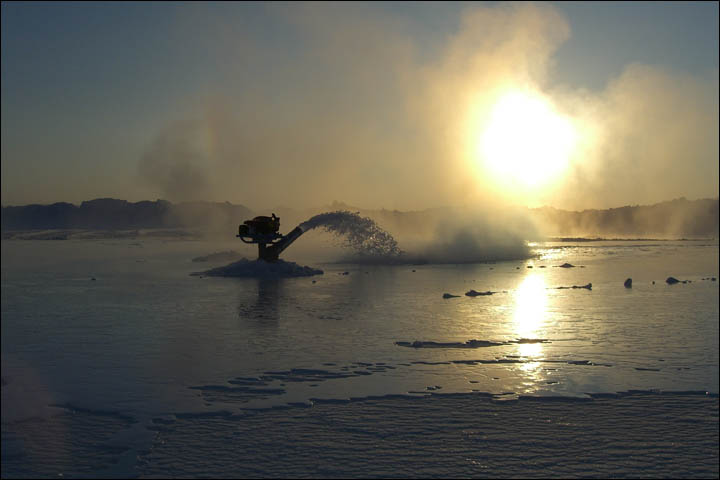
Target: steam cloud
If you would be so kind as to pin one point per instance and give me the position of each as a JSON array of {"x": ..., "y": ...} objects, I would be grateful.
[
  {"x": 386, "y": 126},
  {"x": 175, "y": 164}
]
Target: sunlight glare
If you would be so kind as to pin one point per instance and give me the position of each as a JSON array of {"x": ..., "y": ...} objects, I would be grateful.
[
  {"x": 526, "y": 143},
  {"x": 530, "y": 310}
]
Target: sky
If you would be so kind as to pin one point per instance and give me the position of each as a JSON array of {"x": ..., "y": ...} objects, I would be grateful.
[{"x": 380, "y": 105}]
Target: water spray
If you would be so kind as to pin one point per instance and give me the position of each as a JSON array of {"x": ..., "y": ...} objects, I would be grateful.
[{"x": 361, "y": 233}]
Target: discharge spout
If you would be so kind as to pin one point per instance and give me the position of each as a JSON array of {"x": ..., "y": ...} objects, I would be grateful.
[{"x": 271, "y": 252}]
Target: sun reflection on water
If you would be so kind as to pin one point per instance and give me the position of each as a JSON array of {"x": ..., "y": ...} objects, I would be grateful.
[{"x": 530, "y": 314}]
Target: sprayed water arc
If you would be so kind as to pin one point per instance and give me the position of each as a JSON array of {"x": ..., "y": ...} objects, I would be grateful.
[{"x": 361, "y": 234}]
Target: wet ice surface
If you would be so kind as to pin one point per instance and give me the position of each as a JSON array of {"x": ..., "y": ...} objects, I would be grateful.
[
  {"x": 145, "y": 341},
  {"x": 229, "y": 255},
  {"x": 150, "y": 330}
]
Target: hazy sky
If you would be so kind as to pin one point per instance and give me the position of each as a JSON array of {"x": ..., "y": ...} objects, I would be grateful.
[{"x": 377, "y": 105}]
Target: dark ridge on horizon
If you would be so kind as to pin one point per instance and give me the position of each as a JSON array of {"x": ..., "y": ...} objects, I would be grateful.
[
  {"x": 114, "y": 214},
  {"x": 674, "y": 217}
]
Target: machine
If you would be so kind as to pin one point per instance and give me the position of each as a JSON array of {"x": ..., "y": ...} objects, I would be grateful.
[{"x": 265, "y": 231}]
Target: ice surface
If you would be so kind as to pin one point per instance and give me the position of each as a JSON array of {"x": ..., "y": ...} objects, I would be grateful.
[
  {"x": 146, "y": 341},
  {"x": 474, "y": 293},
  {"x": 587, "y": 286},
  {"x": 260, "y": 268},
  {"x": 218, "y": 256},
  {"x": 469, "y": 343},
  {"x": 453, "y": 436}
]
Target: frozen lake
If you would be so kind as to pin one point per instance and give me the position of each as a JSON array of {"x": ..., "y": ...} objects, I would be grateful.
[{"x": 120, "y": 326}]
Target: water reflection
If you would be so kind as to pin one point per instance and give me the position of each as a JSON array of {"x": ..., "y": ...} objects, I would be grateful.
[
  {"x": 530, "y": 314},
  {"x": 260, "y": 302},
  {"x": 533, "y": 373}
]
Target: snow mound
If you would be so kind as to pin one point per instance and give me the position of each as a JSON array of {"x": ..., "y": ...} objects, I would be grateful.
[{"x": 260, "y": 268}]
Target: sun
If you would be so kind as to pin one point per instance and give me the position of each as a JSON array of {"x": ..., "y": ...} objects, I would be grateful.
[{"x": 525, "y": 143}]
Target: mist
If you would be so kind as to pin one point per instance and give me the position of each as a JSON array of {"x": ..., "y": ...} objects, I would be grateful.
[
  {"x": 440, "y": 235},
  {"x": 378, "y": 123},
  {"x": 655, "y": 137},
  {"x": 388, "y": 127}
]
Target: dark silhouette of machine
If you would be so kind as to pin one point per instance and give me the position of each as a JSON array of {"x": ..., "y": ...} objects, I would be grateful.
[{"x": 265, "y": 232}]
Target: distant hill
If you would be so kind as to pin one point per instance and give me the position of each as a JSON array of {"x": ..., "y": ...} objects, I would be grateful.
[
  {"x": 113, "y": 214},
  {"x": 678, "y": 217}
]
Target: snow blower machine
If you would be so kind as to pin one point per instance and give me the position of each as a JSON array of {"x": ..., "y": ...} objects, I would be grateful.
[{"x": 265, "y": 232}]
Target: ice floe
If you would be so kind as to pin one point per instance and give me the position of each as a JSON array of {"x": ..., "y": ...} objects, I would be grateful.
[{"x": 474, "y": 293}]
